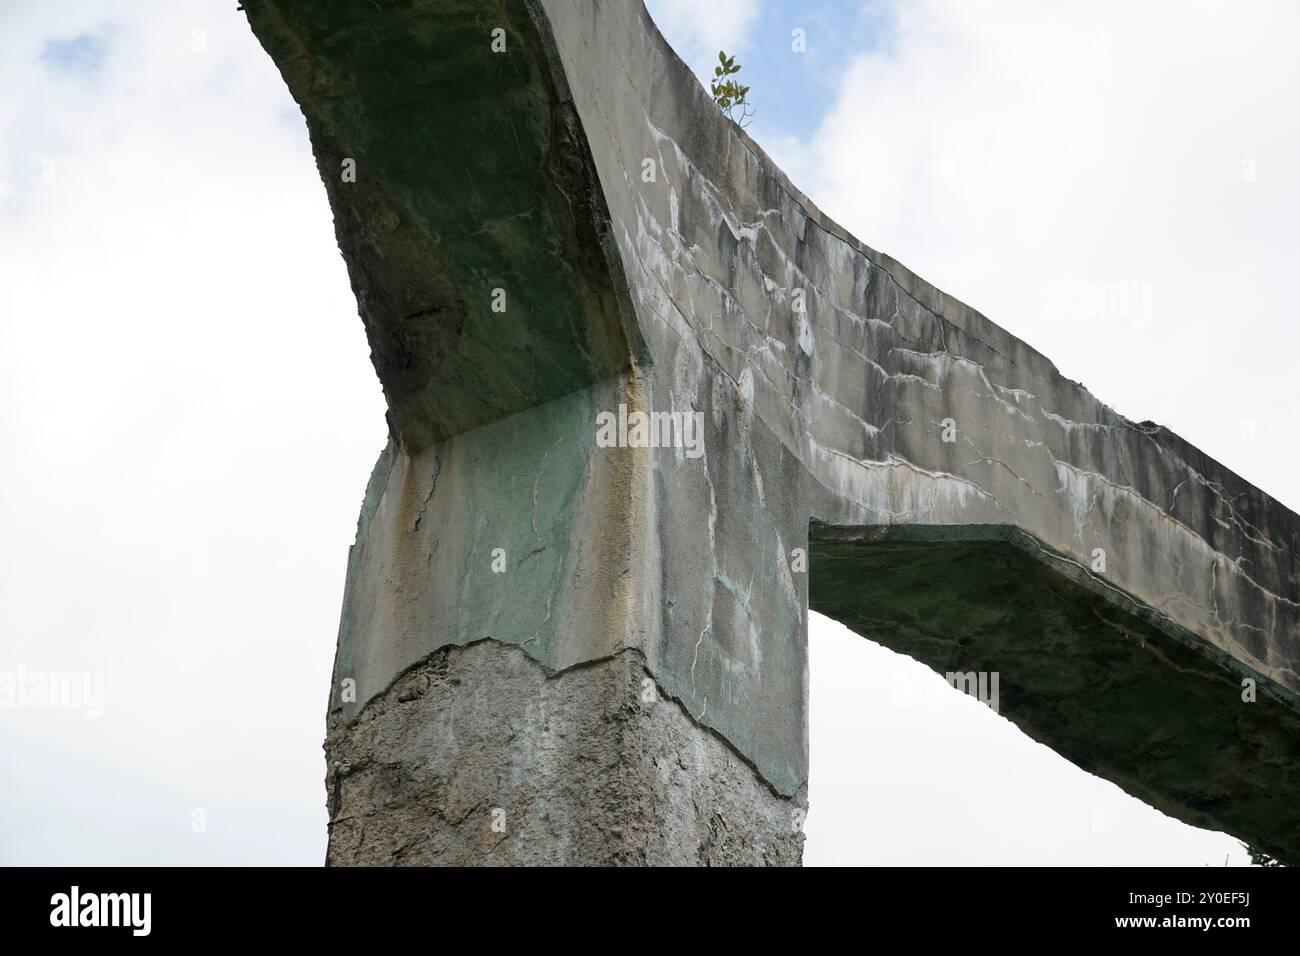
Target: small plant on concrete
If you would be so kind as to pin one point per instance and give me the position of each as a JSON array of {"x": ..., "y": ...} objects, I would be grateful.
[{"x": 732, "y": 97}]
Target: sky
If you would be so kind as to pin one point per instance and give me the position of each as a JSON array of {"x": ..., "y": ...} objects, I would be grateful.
[{"x": 190, "y": 415}]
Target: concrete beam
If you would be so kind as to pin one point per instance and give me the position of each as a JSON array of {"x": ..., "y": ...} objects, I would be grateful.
[{"x": 552, "y": 647}]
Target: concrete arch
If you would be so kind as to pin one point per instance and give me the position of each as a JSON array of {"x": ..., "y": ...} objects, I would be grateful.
[{"x": 607, "y": 644}]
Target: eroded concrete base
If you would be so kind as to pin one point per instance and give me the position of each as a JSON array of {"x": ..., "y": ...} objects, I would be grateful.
[{"x": 587, "y": 766}]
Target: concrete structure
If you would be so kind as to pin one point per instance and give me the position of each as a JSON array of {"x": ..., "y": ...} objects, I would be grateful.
[{"x": 563, "y": 641}]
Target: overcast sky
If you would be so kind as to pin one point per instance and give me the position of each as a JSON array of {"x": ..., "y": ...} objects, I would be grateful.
[{"x": 190, "y": 414}]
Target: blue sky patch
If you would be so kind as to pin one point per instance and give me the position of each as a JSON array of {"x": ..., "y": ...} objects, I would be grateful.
[
  {"x": 792, "y": 90},
  {"x": 82, "y": 55}
]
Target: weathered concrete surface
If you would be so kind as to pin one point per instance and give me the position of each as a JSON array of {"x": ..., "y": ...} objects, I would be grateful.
[
  {"x": 585, "y": 766},
  {"x": 639, "y": 233}
]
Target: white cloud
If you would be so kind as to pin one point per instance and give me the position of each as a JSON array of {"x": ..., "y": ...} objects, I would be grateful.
[
  {"x": 699, "y": 30},
  {"x": 189, "y": 420}
]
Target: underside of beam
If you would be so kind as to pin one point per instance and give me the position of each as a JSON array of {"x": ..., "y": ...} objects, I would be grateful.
[{"x": 1106, "y": 682}]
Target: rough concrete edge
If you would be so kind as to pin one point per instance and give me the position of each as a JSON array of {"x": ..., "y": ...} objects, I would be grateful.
[
  {"x": 370, "y": 498},
  {"x": 551, "y": 673},
  {"x": 602, "y": 221}
]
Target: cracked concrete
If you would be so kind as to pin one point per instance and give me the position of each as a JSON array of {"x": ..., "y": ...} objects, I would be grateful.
[
  {"x": 469, "y": 758},
  {"x": 716, "y": 287}
]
